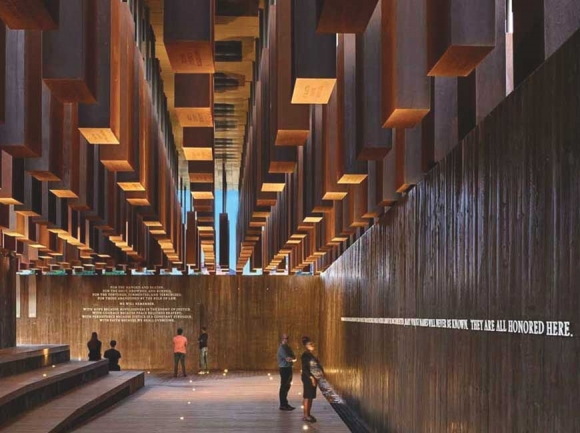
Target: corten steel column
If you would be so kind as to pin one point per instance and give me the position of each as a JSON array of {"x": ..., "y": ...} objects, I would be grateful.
[{"x": 7, "y": 298}]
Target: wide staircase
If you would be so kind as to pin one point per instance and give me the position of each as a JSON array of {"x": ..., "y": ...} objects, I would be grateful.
[{"x": 42, "y": 390}]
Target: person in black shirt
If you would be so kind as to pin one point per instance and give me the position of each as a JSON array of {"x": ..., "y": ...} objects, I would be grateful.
[
  {"x": 203, "y": 351},
  {"x": 312, "y": 372},
  {"x": 113, "y": 355},
  {"x": 94, "y": 346}
]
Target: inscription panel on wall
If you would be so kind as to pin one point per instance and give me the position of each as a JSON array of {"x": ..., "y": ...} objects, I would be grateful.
[{"x": 136, "y": 304}]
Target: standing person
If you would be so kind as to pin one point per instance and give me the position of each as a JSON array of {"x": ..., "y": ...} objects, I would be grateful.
[
  {"x": 113, "y": 355},
  {"x": 94, "y": 346},
  {"x": 203, "y": 351},
  {"x": 179, "y": 350},
  {"x": 312, "y": 372},
  {"x": 286, "y": 360}
]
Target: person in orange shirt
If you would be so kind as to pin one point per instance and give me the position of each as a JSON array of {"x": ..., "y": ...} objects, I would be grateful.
[{"x": 179, "y": 346}]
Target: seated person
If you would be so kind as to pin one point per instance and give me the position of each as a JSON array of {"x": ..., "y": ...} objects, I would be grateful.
[{"x": 113, "y": 356}]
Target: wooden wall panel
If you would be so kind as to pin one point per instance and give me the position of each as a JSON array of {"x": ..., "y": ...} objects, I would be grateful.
[
  {"x": 489, "y": 234},
  {"x": 255, "y": 310}
]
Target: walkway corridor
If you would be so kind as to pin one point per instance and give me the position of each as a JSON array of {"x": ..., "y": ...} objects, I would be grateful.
[{"x": 238, "y": 402}]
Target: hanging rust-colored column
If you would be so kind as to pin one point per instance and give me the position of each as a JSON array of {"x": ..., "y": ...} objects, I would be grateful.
[
  {"x": 313, "y": 57},
  {"x": 188, "y": 35},
  {"x": 405, "y": 89},
  {"x": 460, "y": 35},
  {"x": 8, "y": 268},
  {"x": 30, "y": 14},
  {"x": 69, "y": 53},
  {"x": 344, "y": 16}
]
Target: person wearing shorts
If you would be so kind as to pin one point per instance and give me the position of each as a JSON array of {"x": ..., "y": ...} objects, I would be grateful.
[{"x": 312, "y": 372}]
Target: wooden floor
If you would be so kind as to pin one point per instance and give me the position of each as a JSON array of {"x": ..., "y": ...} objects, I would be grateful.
[{"x": 239, "y": 402}]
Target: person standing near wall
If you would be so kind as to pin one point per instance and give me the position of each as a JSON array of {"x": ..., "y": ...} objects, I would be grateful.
[
  {"x": 312, "y": 372},
  {"x": 94, "y": 346},
  {"x": 286, "y": 360},
  {"x": 203, "y": 351},
  {"x": 179, "y": 350}
]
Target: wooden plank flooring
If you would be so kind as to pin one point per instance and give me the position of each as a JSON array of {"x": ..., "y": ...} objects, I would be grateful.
[
  {"x": 70, "y": 405},
  {"x": 239, "y": 402}
]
